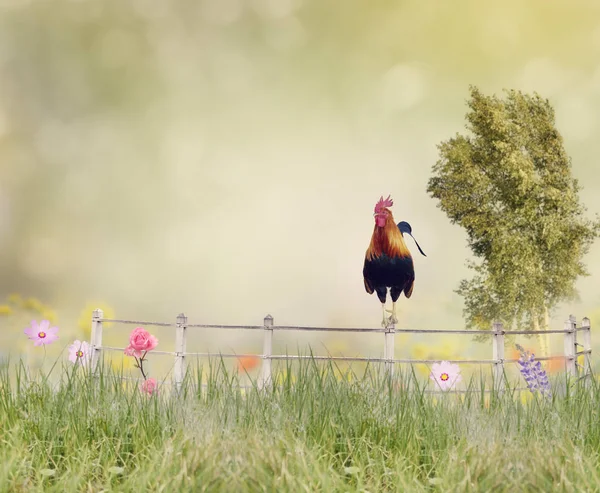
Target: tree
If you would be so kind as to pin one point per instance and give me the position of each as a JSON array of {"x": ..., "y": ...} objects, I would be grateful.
[{"x": 509, "y": 184}]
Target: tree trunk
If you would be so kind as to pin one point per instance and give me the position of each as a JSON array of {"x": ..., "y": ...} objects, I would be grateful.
[
  {"x": 542, "y": 338},
  {"x": 546, "y": 326}
]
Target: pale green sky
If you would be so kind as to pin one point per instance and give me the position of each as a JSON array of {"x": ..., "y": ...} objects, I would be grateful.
[{"x": 223, "y": 157}]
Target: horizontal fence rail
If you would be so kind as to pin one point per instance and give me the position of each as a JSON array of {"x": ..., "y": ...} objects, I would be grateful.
[{"x": 572, "y": 349}]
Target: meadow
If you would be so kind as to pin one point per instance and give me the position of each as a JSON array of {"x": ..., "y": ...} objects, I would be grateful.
[{"x": 320, "y": 428}]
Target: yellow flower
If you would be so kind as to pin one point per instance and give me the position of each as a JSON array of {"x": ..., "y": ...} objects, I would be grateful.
[
  {"x": 109, "y": 338},
  {"x": 419, "y": 351},
  {"x": 282, "y": 376},
  {"x": 526, "y": 397},
  {"x": 423, "y": 351},
  {"x": 5, "y": 310},
  {"x": 34, "y": 305},
  {"x": 15, "y": 299},
  {"x": 337, "y": 346},
  {"x": 16, "y": 303},
  {"x": 127, "y": 362},
  {"x": 49, "y": 315},
  {"x": 85, "y": 318}
]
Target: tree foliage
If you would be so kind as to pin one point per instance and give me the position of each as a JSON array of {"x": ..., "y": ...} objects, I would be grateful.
[{"x": 509, "y": 185}]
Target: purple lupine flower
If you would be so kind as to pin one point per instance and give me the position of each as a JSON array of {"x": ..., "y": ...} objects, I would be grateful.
[{"x": 533, "y": 373}]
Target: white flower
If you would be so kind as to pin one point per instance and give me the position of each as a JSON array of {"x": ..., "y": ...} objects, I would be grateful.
[
  {"x": 445, "y": 374},
  {"x": 80, "y": 351}
]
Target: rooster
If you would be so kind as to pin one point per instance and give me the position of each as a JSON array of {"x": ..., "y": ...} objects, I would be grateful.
[{"x": 388, "y": 263}]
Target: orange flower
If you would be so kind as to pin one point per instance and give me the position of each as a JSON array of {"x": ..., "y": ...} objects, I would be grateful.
[
  {"x": 247, "y": 363},
  {"x": 551, "y": 365},
  {"x": 555, "y": 365},
  {"x": 515, "y": 354}
]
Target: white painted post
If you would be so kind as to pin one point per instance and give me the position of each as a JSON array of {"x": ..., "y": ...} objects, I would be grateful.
[
  {"x": 573, "y": 320},
  {"x": 266, "y": 377},
  {"x": 570, "y": 359},
  {"x": 498, "y": 356},
  {"x": 587, "y": 345},
  {"x": 180, "y": 345},
  {"x": 388, "y": 349},
  {"x": 96, "y": 341}
]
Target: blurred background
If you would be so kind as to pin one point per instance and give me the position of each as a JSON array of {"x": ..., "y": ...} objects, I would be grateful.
[{"x": 222, "y": 157}]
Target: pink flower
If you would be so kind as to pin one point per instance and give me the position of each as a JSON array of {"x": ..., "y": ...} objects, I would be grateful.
[
  {"x": 41, "y": 333},
  {"x": 445, "y": 374},
  {"x": 80, "y": 351},
  {"x": 129, "y": 351},
  {"x": 149, "y": 386},
  {"x": 141, "y": 340}
]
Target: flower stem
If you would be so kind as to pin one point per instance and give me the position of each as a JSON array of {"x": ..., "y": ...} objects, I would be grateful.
[{"x": 140, "y": 364}]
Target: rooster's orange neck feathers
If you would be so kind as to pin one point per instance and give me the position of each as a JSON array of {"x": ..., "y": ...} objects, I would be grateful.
[{"x": 387, "y": 240}]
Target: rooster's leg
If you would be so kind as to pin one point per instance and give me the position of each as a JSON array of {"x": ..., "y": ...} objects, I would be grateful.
[
  {"x": 384, "y": 322},
  {"x": 393, "y": 319}
]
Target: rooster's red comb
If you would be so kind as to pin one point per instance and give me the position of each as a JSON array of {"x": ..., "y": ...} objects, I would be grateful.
[{"x": 382, "y": 204}]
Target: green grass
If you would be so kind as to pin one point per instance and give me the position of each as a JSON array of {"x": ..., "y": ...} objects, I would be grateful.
[{"x": 313, "y": 432}]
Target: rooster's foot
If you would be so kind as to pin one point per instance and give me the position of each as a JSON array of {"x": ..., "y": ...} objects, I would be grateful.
[{"x": 392, "y": 319}]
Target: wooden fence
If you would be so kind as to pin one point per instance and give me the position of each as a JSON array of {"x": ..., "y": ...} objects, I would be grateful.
[{"x": 572, "y": 349}]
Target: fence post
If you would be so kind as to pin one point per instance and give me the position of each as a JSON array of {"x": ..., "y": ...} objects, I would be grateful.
[
  {"x": 587, "y": 346},
  {"x": 388, "y": 348},
  {"x": 570, "y": 340},
  {"x": 96, "y": 341},
  {"x": 180, "y": 344},
  {"x": 498, "y": 355},
  {"x": 266, "y": 377}
]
